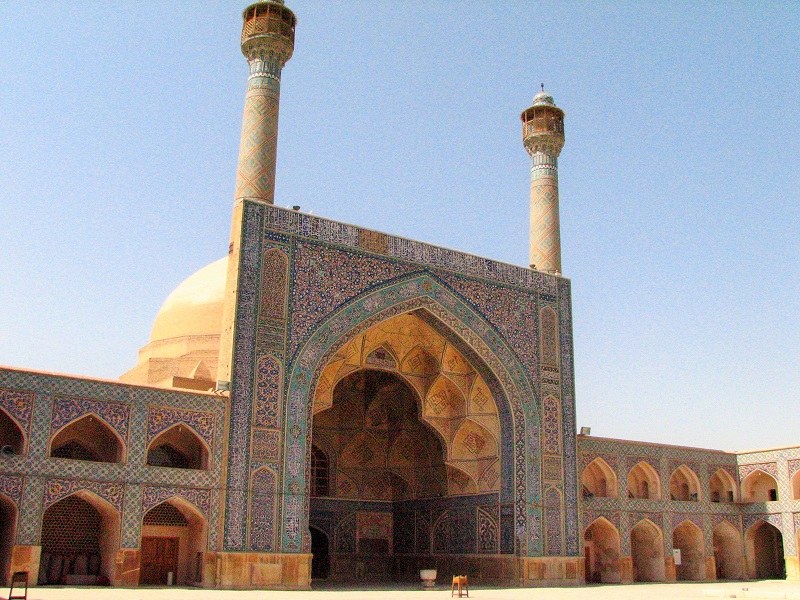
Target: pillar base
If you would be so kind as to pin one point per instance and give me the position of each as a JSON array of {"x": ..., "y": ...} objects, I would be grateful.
[
  {"x": 670, "y": 571},
  {"x": 626, "y": 569},
  {"x": 26, "y": 558},
  {"x": 553, "y": 571},
  {"x": 126, "y": 567},
  {"x": 792, "y": 568},
  {"x": 262, "y": 570},
  {"x": 711, "y": 568}
]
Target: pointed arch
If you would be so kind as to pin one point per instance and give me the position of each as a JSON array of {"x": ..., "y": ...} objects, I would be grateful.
[
  {"x": 644, "y": 482},
  {"x": 796, "y": 485},
  {"x": 11, "y": 433},
  {"x": 728, "y": 551},
  {"x": 647, "y": 551},
  {"x": 602, "y": 542},
  {"x": 764, "y": 551},
  {"x": 79, "y": 539},
  {"x": 89, "y": 437},
  {"x": 178, "y": 524},
  {"x": 425, "y": 296},
  {"x": 8, "y": 529},
  {"x": 688, "y": 538},
  {"x": 759, "y": 486},
  {"x": 722, "y": 487},
  {"x": 178, "y": 447},
  {"x": 599, "y": 480},
  {"x": 684, "y": 485}
]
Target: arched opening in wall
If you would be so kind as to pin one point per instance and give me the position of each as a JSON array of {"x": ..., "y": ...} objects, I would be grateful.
[
  {"x": 601, "y": 540},
  {"x": 722, "y": 487},
  {"x": 407, "y": 416},
  {"x": 684, "y": 485},
  {"x": 88, "y": 438},
  {"x": 764, "y": 545},
  {"x": 796, "y": 486},
  {"x": 80, "y": 539},
  {"x": 179, "y": 447},
  {"x": 174, "y": 535},
  {"x": 8, "y": 530},
  {"x": 688, "y": 538},
  {"x": 728, "y": 551},
  {"x": 599, "y": 480},
  {"x": 647, "y": 552},
  {"x": 11, "y": 436},
  {"x": 759, "y": 486},
  {"x": 320, "y": 554},
  {"x": 643, "y": 482}
]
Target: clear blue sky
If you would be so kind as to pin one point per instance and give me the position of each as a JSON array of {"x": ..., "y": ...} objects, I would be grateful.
[{"x": 119, "y": 130}]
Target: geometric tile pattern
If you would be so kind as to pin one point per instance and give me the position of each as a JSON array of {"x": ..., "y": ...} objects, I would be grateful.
[
  {"x": 57, "y": 489},
  {"x": 160, "y": 418},
  {"x": 68, "y": 409},
  {"x": 544, "y": 229}
]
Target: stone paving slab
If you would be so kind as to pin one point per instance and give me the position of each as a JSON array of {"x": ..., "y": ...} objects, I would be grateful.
[{"x": 761, "y": 590}]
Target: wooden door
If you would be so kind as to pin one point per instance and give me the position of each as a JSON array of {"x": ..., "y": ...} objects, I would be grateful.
[{"x": 159, "y": 557}]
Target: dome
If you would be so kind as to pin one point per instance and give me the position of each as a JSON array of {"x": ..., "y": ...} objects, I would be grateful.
[
  {"x": 543, "y": 99},
  {"x": 194, "y": 308}
]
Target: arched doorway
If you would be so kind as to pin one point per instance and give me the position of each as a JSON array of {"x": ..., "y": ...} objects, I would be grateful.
[
  {"x": 11, "y": 438},
  {"x": 759, "y": 486},
  {"x": 80, "y": 538},
  {"x": 643, "y": 482},
  {"x": 684, "y": 485},
  {"x": 722, "y": 487},
  {"x": 601, "y": 540},
  {"x": 599, "y": 480},
  {"x": 688, "y": 538},
  {"x": 647, "y": 552},
  {"x": 764, "y": 544},
  {"x": 320, "y": 551},
  {"x": 179, "y": 447},
  {"x": 8, "y": 527},
  {"x": 173, "y": 541},
  {"x": 728, "y": 553},
  {"x": 88, "y": 438}
]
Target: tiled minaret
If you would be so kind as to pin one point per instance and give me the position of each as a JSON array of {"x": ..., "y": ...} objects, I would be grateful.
[
  {"x": 267, "y": 44},
  {"x": 543, "y": 137}
]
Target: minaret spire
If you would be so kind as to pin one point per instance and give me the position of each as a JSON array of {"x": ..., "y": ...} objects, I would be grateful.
[
  {"x": 267, "y": 44},
  {"x": 543, "y": 138}
]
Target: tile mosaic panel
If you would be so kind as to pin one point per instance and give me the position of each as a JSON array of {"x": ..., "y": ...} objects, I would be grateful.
[
  {"x": 161, "y": 418},
  {"x": 67, "y": 409},
  {"x": 19, "y": 406}
]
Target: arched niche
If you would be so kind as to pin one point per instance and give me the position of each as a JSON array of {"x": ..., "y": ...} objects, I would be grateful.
[
  {"x": 759, "y": 486},
  {"x": 643, "y": 482},
  {"x": 796, "y": 486},
  {"x": 602, "y": 544},
  {"x": 684, "y": 485},
  {"x": 722, "y": 487},
  {"x": 80, "y": 538},
  {"x": 88, "y": 438},
  {"x": 728, "y": 555},
  {"x": 174, "y": 538},
  {"x": 647, "y": 552},
  {"x": 8, "y": 530},
  {"x": 11, "y": 435},
  {"x": 764, "y": 551},
  {"x": 688, "y": 538},
  {"x": 599, "y": 480},
  {"x": 178, "y": 447},
  {"x": 320, "y": 554}
]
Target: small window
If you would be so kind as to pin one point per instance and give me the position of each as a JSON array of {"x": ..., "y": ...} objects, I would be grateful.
[
  {"x": 319, "y": 472},
  {"x": 773, "y": 494}
]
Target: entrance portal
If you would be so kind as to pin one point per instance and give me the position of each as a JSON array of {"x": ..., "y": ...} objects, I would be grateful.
[
  {"x": 602, "y": 552},
  {"x": 405, "y": 458},
  {"x": 8, "y": 522},
  {"x": 688, "y": 538},
  {"x": 173, "y": 541},
  {"x": 727, "y": 551}
]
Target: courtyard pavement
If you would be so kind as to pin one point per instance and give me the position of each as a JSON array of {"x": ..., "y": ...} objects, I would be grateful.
[{"x": 760, "y": 590}]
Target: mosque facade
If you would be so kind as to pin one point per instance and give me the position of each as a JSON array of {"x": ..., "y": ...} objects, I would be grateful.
[{"x": 334, "y": 403}]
